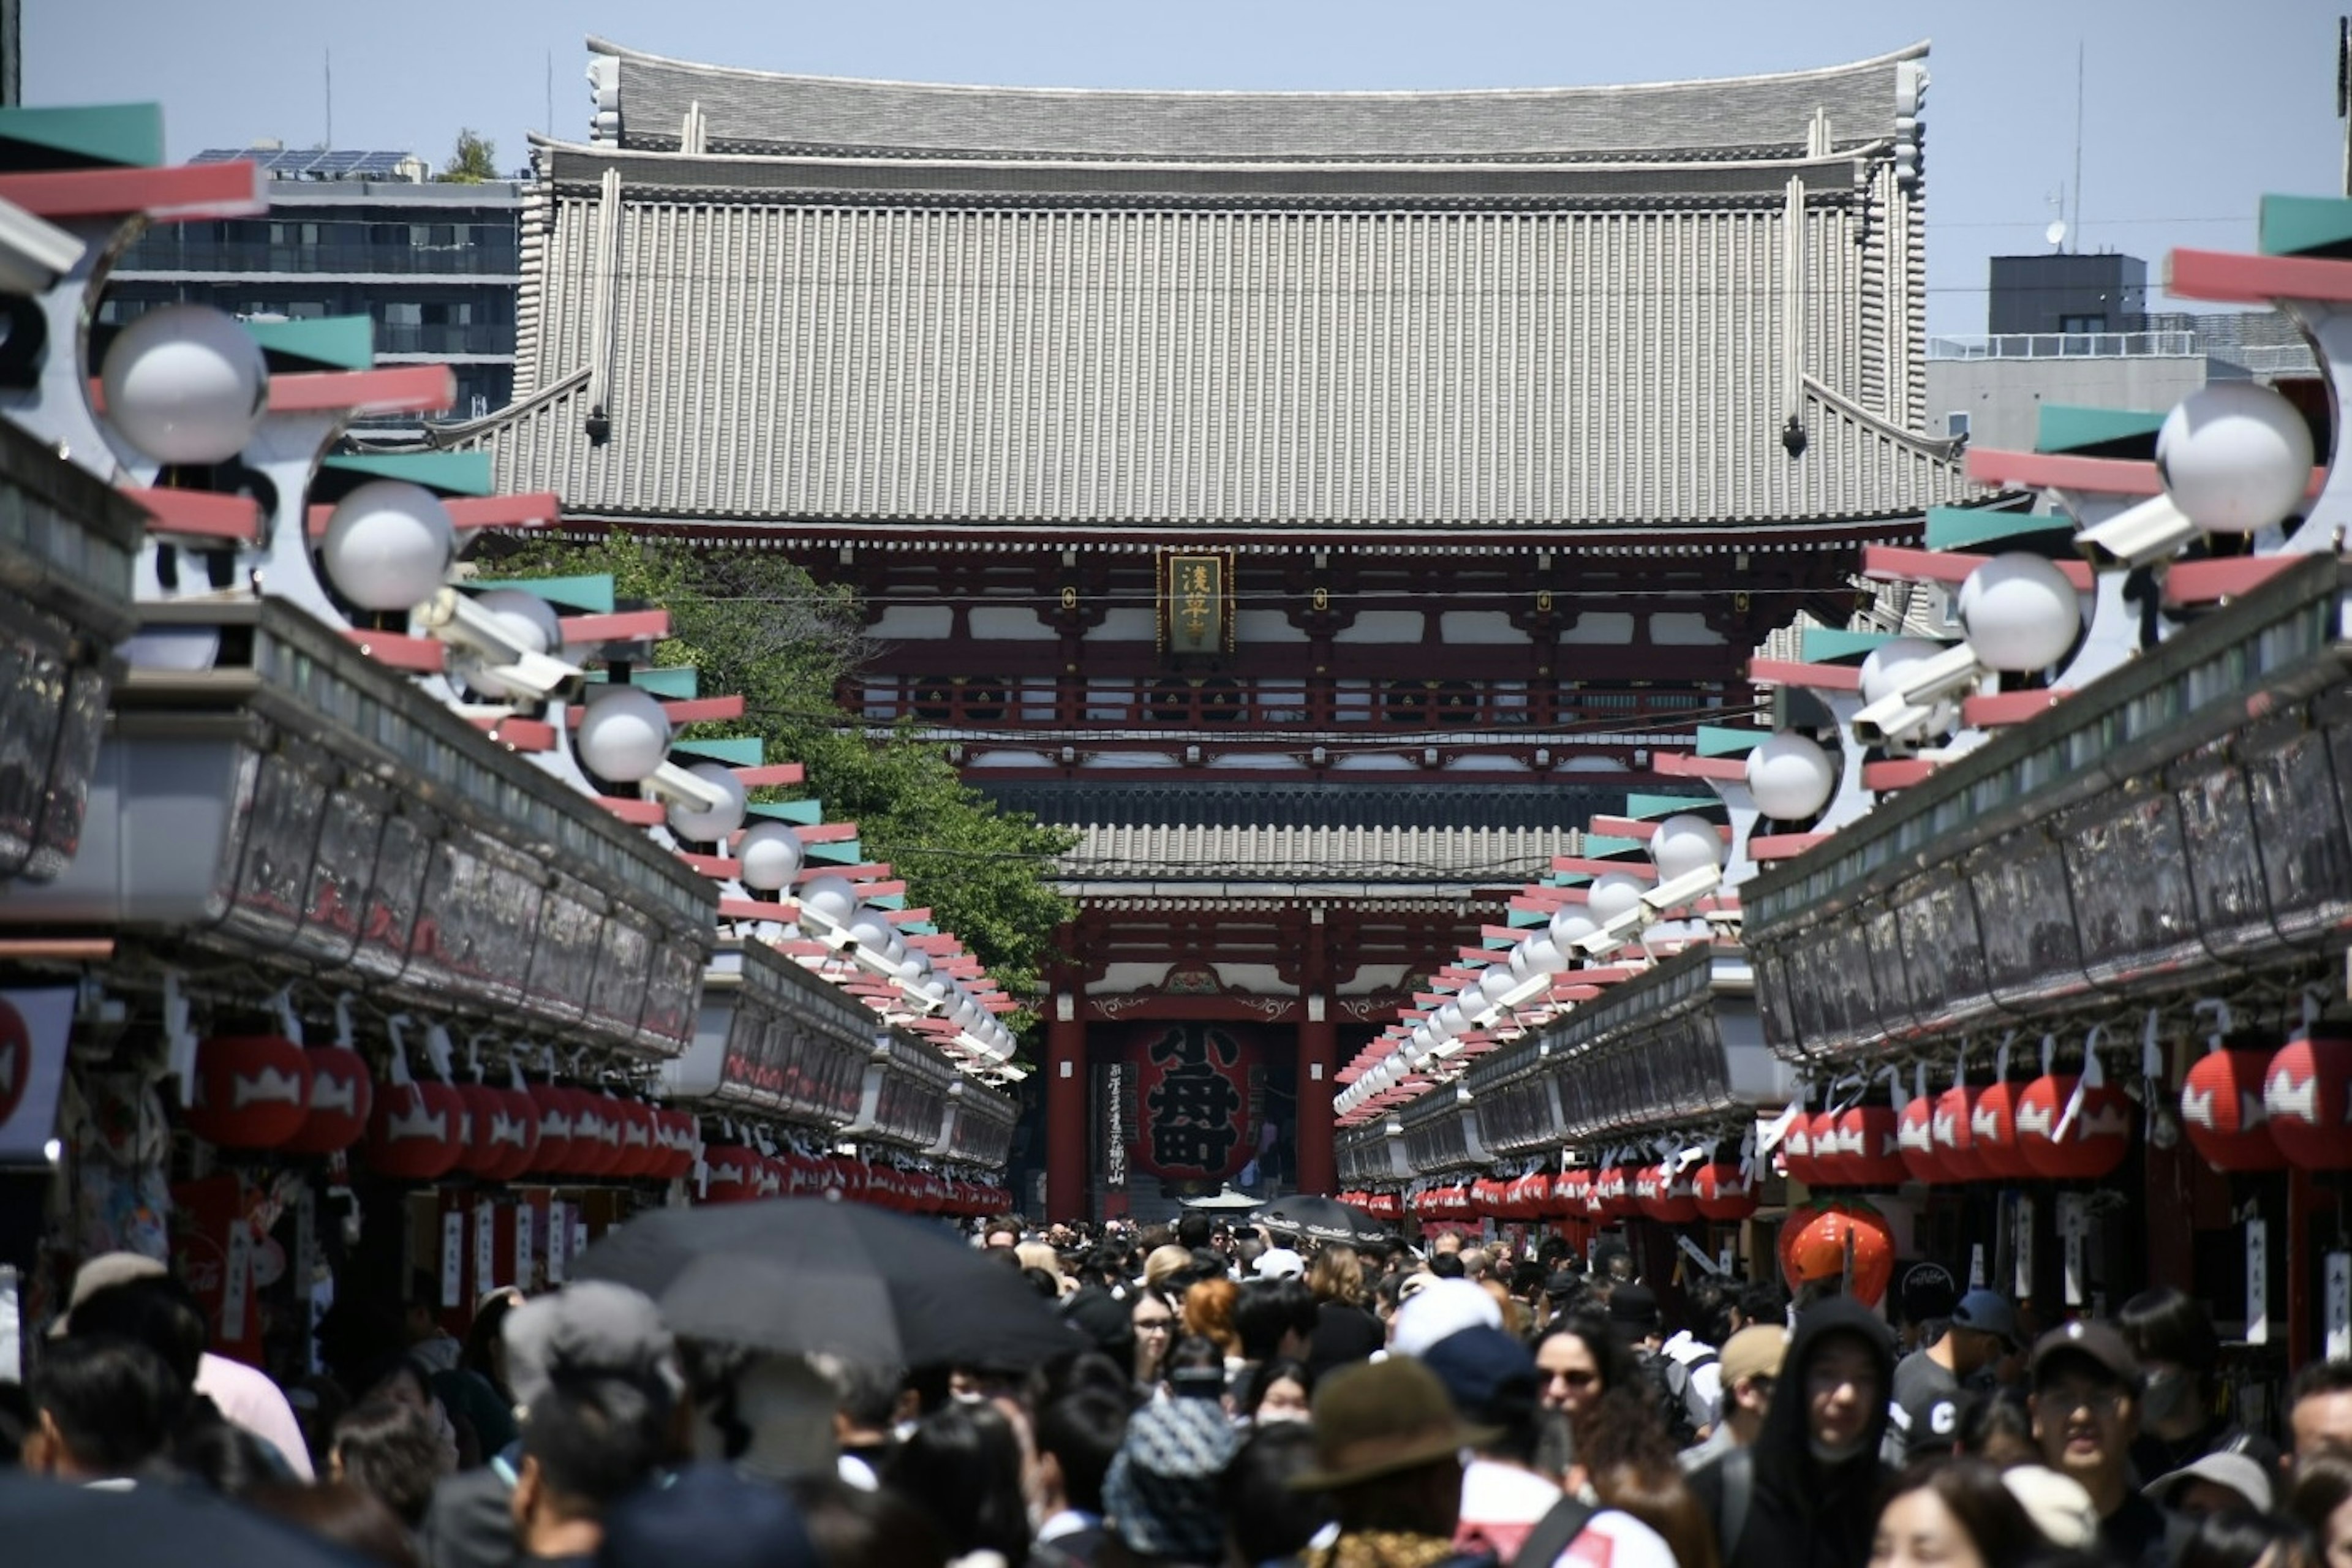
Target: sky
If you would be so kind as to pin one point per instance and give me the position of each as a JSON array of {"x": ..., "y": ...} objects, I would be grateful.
[{"x": 2190, "y": 110}]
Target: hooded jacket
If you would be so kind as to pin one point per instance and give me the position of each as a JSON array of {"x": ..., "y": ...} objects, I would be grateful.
[{"x": 1802, "y": 1511}]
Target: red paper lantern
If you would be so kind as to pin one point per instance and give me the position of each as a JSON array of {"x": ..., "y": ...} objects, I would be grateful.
[
  {"x": 678, "y": 1136},
  {"x": 640, "y": 1156},
  {"x": 514, "y": 1133},
  {"x": 416, "y": 1132},
  {"x": 1486, "y": 1197},
  {"x": 1531, "y": 1195},
  {"x": 1956, "y": 1138},
  {"x": 1723, "y": 1191},
  {"x": 251, "y": 1091},
  {"x": 1993, "y": 1120},
  {"x": 1613, "y": 1187},
  {"x": 336, "y": 1109},
  {"x": 1570, "y": 1192},
  {"x": 1817, "y": 1243},
  {"x": 2094, "y": 1143},
  {"x": 2305, "y": 1097},
  {"x": 731, "y": 1175},
  {"x": 553, "y": 1156},
  {"x": 2221, "y": 1112},
  {"x": 1664, "y": 1195},
  {"x": 596, "y": 1133},
  {"x": 1869, "y": 1146},
  {"x": 1797, "y": 1157},
  {"x": 1915, "y": 1137},
  {"x": 484, "y": 1105}
]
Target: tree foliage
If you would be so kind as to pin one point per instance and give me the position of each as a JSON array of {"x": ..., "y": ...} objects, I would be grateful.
[
  {"x": 472, "y": 161},
  {"x": 750, "y": 622}
]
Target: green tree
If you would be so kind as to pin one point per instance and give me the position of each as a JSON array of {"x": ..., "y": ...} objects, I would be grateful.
[
  {"x": 750, "y": 622},
  {"x": 472, "y": 161}
]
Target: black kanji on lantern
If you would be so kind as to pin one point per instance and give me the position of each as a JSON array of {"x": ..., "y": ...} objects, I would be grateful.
[{"x": 1193, "y": 1106}]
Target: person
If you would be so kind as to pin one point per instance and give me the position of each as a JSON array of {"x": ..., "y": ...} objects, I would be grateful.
[
  {"x": 1982, "y": 1328},
  {"x": 1635, "y": 1316},
  {"x": 588, "y": 1441},
  {"x": 2239, "y": 1538},
  {"x": 1268, "y": 1523},
  {"x": 854, "y": 1528},
  {"x": 434, "y": 1347},
  {"x": 1495, "y": 1389},
  {"x": 2180, "y": 1419},
  {"x": 104, "y": 1411},
  {"x": 1580, "y": 1358},
  {"x": 709, "y": 1517},
  {"x": 1277, "y": 1391},
  {"x": 1153, "y": 1321},
  {"x": 962, "y": 1464},
  {"x": 349, "y": 1516},
  {"x": 1001, "y": 1232},
  {"x": 1076, "y": 1438},
  {"x": 2219, "y": 1482},
  {"x": 1345, "y": 1328},
  {"x": 1748, "y": 1366},
  {"x": 1279, "y": 1263},
  {"x": 2085, "y": 1415},
  {"x": 1997, "y": 1428},
  {"x": 2319, "y": 1411},
  {"x": 1387, "y": 1447},
  {"x": 1208, "y": 1313},
  {"x": 2321, "y": 1497},
  {"x": 1437, "y": 1309},
  {"x": 1953, "y": 1513},
  {"x": 864, "y": 1415},
  {"x": 1274, "y": 1317},
  {"x": 1801, "y": 1496},
  {"x": 485, "y": 1349},
  {"x": 1159, "y": 1495},
  {"x": 392, "y": 1452}
]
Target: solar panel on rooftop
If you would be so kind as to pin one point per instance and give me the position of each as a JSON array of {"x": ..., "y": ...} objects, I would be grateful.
[{"x": 311, "y": 163}]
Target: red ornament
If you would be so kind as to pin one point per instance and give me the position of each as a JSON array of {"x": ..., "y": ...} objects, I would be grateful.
[
  {"x": 1723, "y": 1191},
  {"x": 1915, "y": 1136},
  {"x": 2221, "y": 1112},
  {"x": 1993, "y": 1120},
  {"x": 1816, "y": 1244},
  {"x": 252, "y": 1091},
  {"x": 1486, "y": 1197},
  {"x": 1195, "y": 1086},
  {"x": 1869, "y": 1146},
  {"x": 416, "y": 1132},
  {"x": 1956, "y": 1139},
  {"x": 1797, "y": 1152},
  {"x": 342, "y": 1095},
  {"x": 1664, "y": 1195},
  {"x": 2305, "y": 1095},
  {"x": 731, "y": 1175},
  {"x": 2094, "y": 1143},
  {"x": 553, "y": 1156}
]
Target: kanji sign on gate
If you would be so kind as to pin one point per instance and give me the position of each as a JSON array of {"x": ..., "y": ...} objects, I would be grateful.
[{"x": 1195, "y": 1098}]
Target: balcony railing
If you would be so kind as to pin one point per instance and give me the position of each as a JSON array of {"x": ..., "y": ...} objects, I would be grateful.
[{"x": 2067, "y": 345}]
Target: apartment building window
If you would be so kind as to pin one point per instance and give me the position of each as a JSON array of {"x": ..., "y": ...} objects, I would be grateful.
[{"x": 1956, "y": 425}]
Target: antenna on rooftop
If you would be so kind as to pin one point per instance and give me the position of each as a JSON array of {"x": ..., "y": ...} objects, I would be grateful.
[
  {"x": 329, "y": 56},
  {"x": 2078, "y": 139}
]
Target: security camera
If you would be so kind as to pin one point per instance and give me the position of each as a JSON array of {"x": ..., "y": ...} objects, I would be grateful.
[
  {"x": 1920, "y": 687},
  {"x": 2137, "y": 535},
  {"x": 674, "y": 786},
  {"x": 503, "y": 655},
  {"x": 34, "y": 253},
  {"x": 1616, "y": 931},
  {"x": 1686, "y": 889}
]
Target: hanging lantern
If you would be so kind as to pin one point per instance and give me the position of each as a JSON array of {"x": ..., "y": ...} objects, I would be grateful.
[
  {"x": 1797, "y": 1151},
  {"x": 513, "y": 1132},
  {"x": 772, "y": 1176},
  {"x": 418, "y": 1131},
  {"x": 2222, "y": 1112},
  {"x": 553, "y": 1155},
  {"x": 251, "y": 1091},
  {"x": 1823, "y": 1243},
  {"x": 1569, "y": 1190},
  {"x": 2305, "y": 1096},
  {"x": 1614, "y": 1189},
  {"x": 336, "y": 1109},
  {"x": 1723, "y": 1190},
  {"x": 483, "y": 1105},
  {"x": 1664, "y": 1195},
  {"x": 1914, "y": 1138},
  {"x": 1828, "y": 1163},
  {"x": 1486, "y": 1198},
  {"x": 596, "y": 1133},
  {"x": 1993, "y": 1120},
  {"x": 641, "y": 1155},
  {"x": 2091, "y": 1144},
  {"x": 1954, "y": 1124},
  {"x": 1869, "y": 1147},
  {"x": 677, "y": 1140},
  {"x": 731, "y": 1175}
]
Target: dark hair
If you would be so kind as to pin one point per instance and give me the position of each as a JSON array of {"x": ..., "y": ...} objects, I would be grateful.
[
  {"x": 1653, "y": 1491},
  {"x": 597, "y": 1437},
  {"x": 394, "y": 1451},
  {"x": 1267, "y": 1518},
  {"x": 350, "y": 1516},
  {"x": 1445, "y": 1265},
  {"x": 1269, "y": 1309},
  {"x": 17, "y": 1422},
  {"x": 1192, "y": 1230},
  {"x": 2323, "y": 1484},
  {"x": 1043, "y": 1283},
  {"x": 114, "y": 1402},
  {"x": 2241, "y": 1538},
  {"x": 1611, "y": 1358},
  {"x": 1620, "y": 1426},
  {"x": 1709, "y": 1306},
  {"x": 2317, "y": 1378},
  {"x": 156, "y": 1312},
  {"x": 479, "y": 1355},
  {"x": 229, "y": 1459},
  {"x": 1268, "y": 1373},
  {"x": 1764, "y": 1304},
  {"x": 1195, "y": 1366},
  {"x": 962, "y": 1464},
  {"x": 1083, "y": 1432},
  {"x": 852, "y": 1528},
  {"x": 2003, "y": 1413},
  {"x": 2170, "y": 1325},
  {"x": 1972, "y": 1492},
  {"x": 1083, "y": 1371},
  {"x": 865, "y": 1392}
]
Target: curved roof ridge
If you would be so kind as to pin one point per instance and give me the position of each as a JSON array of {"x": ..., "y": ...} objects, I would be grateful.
[{"x": 1912, "y": 51}]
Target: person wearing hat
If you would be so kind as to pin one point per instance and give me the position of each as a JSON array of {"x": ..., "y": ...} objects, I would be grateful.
[
  {"x": 1388, "y": 1447},
  {"x": 1749, "y": 1365},
  {"x": 2214, "y": 1484},
  {"x": 1493, "y": 1382},
  {"x": 2183, "y": 1415},
  {"x": 2086, "y": 1407},
  {"x": 1160, "y": 1496},
  {"x": 1428, "y": 1312},
  {"x": 1981, "y": 1329}
]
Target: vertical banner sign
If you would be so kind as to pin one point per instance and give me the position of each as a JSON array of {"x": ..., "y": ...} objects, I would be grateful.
[
  {"x": 453, "y": 1257},
  {"x": 1114, "y": 1129},
  {"x": 2021, "y": 1245},
  {"x": 559, "y": 1240},
  {"x": 2073, "y": 1223},
  {"x": 579, "y": 1234},
  {"x": 2258, "y": 1282},
  {"x": 2335, "y": 1296},
  {"x": 1196, "y": 603},
  {"x": 1977, "y": 1267},
  {"x": 522, "y": 1247},
  {"x": 486, "y": 1250},
  {"x": 237, "y": 1283},
  {"x": 34, "y": 1025}
]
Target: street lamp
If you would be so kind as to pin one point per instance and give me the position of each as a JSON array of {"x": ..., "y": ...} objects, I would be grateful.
[{"x": 185, "y": 383}]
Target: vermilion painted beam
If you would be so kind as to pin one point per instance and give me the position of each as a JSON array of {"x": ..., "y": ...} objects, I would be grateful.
[
  {"x": 2096, "y": 476},
  {"x": 753, "y": 909},
  {"x": 622, "y": 625},
  {"x": 717, "y": 867},
  {"x": 537, "y": 509},
  {"x": 200, "y": 514},
  {"x": 418, "y": 656},
  {"x": 1641, "y": 828},
  {"x": 869, "y": 872},
  {"x": 1895, "y": 563},
  {"x": 521, "y": 734},
  {"x": 824, "y": 832},
  {"x": 690, "y": 711},
  {"x": 1690, "y": 765},
  {"x": 387, "y": 389},
  {"x": 638, "y": 812},
  {"x": 1789, "y": 672},
  {"x": 2008, "y": 707},
  {"x": 2251, "y": 280},
  {"x": 774, "y": 773},
  {"x": 166, "y": 195},
  {"x": 2208, "y": 582},
  {"x": 1783, "y": 846},
  {"x": 1640, "y": 868},
  {"x": 1897, "y": 772}
]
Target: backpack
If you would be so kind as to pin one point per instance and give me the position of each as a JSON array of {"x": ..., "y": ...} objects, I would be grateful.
[{"x": 1669, "y": 1383}]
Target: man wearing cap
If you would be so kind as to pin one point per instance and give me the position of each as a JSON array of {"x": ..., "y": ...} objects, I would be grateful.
[
  {"x": 2085, "y": 1414},
  {"x": 1749, "y": 1365},
  {"x": 1928, "y": 1382},
  {"x": 1493, "y": 1382},
  {"x": 1388, "y": 1453},
  {"x": 2218, "y": 1483}
]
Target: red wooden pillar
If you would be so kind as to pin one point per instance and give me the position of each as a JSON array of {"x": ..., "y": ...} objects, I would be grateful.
[
  {"x": 1066, "y": 1111},
  {"x": 1318, "y": 1048}
]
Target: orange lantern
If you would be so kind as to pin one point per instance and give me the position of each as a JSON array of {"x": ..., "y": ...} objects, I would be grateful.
[
  {"x": 1824, "y": 1243},
  {"x": 1915, "y": 1139},
  {"x": 1993, "y": 1120},
  {"x": 1665, "y": 1195},
  {"x": 1954, "y": 1124}
]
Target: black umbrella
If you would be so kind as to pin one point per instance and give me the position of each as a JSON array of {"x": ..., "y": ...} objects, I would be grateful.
[
  {"x": 1322, "y": 1219},
  {"x": 814, "y": 1275},
  {"x": 51, "y": 1525}
]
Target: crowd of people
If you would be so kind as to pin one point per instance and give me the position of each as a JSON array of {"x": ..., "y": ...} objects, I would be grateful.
[{"x": 1229, "y": 1396}]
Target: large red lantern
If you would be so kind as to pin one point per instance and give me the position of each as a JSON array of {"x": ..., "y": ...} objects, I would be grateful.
[
  {"x": 1797, "y": 1151},
  {"x": 2089, "y": 1145},
  {"x": 1993, "y": 1121},
  {"x": 553, "y": 1155},
  {"x": 1956, "y": 1137},
  {"x": 731, "y": 1175},
  {"x": 336, "y": 1109},
  {"x": 418, "y": 1129},
  {"x": 1569, "y": 1192},
  {"x": 1915, "y": 1137},
  {"x": 1197, "y": 1089},
  {"x": 251, "y": 1091},
  {"x": 482, "y": 1104},
  {"x": 596, "y": 1133},
  {"x": 640, "y": 1156},
  {"x": 1829, "y": 1166},
  {"x": 2222, "y": 1113},
  {"x": 1486, "y": 1198},
  {"x": 2304, "y": 1094},
  {"x": 678, "y": 1140},
  {"x": 1723, "y": 1190},
  {"x": 505, "y": 1141},
  {"x": 1869, "y": 1146},
  {"x": 1664, "y": 1195},
  {"x": 1613, "y": 1186},
  {"x": 1821, "y": 1244}
]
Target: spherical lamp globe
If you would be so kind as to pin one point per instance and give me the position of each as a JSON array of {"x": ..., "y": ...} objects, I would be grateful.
[
  {"x": 1887, "y": 660},
  {"x": 877, "y": 936},
  {"x": 1495, "y": 984},
  {"x": 2019, "y": 612},
  {"x": 1791, "y": 777},
  {"x": 2235, "y": 457},
  {"x": 185, "y": 383},
  {"x": 771, "y": 855},
  {"x": 623, "y": 733},
  {"x": 388, "y": 545},
  {"x": 1570, "y": 924},
  {"x": 830, "y": 899},
  {"x": 1683, "y": 843},
  {"x": 710, "y": 826},
  {"x": 1613, "y": 894}
]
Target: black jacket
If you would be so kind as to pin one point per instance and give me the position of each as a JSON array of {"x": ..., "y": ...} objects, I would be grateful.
[{"x": 1803, "y": 1512}]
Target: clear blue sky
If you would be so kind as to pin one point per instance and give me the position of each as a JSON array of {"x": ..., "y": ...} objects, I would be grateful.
[{"x": 2192, "y": 108}]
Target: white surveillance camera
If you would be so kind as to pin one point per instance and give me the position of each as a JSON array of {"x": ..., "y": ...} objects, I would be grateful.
[
  {"x": 1686, "y": 889},
  {"x": 2137, "y": 535},
  {"x": 500, "y": 659},
  {"x": 1616, "y": 931},
  {"x": 34, "y": 253},
  {"x": 674, "y": 787},
  {"x": 1920, "y": 687}
]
